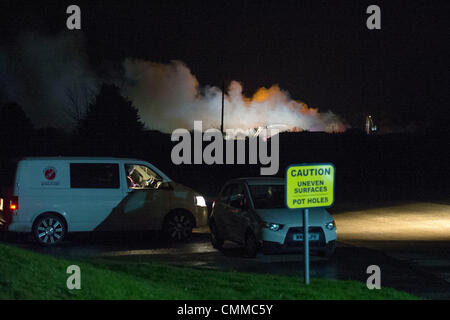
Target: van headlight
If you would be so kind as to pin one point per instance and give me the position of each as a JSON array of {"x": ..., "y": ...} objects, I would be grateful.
[
  {"x": 330, "y": 225},
  {"x": 200, "y": 201}
]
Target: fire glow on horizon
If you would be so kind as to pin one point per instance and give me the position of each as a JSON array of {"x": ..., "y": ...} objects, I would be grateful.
[{"x": 168, "y": 97}]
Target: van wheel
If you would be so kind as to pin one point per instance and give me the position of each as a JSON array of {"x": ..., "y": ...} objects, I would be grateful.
[
  {"x": 251, "y": 245},
  {"x": 49, "y": 230},
  {"x": 178, "y": 226}
]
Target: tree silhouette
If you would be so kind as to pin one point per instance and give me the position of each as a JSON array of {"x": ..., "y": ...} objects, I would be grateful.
[
  {"x": 112, "y": 124},
  {"x": 78, "y": 100}
]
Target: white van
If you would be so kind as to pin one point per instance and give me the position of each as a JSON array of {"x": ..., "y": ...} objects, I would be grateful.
[{"x": 56, "y": 195}]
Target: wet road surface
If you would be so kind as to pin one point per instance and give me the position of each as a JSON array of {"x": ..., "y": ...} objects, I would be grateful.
[
  {"x": 409, "y": 242},
  {"x": 416, "y": 234}
]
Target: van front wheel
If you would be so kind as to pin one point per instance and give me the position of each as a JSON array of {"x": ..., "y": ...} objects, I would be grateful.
[
  {"x": 178, "y": 226},
  {"x": 49, "y": 229}
]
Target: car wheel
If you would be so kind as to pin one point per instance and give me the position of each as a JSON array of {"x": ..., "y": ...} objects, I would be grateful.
[
  {"x": 49, "y": 230},
  {"x": 178, "y": 226},
  {"x": 251, "y": 245},
  {"x": 328, "y": 252},
  {"x": 216, "y": 241}
]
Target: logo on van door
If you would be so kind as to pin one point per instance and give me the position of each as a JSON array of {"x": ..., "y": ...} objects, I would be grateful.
[{"x": 50, "y": 173}]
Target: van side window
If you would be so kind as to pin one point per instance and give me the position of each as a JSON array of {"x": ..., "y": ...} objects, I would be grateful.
[{"x": 94, "y": 175}]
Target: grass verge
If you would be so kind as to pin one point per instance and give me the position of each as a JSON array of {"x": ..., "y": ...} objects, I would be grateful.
[{"x": 29, "y": 275}]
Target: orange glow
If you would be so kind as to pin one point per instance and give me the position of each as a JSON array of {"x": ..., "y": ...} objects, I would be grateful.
[
  {"x": 13, "y": 206},
  {"x": 261, "y": 95}
]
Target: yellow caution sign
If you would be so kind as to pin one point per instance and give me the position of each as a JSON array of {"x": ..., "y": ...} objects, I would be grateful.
[{"x": 310, "y": 185}]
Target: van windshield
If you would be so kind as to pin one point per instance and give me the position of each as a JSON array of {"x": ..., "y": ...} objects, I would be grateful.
[
  {"x": 142, "y": 177},
  {"x": 268, "y": 196}
]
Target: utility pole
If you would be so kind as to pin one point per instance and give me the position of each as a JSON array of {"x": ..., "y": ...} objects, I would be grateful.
[{"x": 223, "y": 105}]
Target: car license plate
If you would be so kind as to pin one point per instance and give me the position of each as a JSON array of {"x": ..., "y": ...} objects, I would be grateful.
[{"x": 312, "y": 237}]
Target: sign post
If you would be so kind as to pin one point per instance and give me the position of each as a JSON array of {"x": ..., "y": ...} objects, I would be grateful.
[
  {"x": 309, "y": 186},
  {"x": 306, "y": 242}
]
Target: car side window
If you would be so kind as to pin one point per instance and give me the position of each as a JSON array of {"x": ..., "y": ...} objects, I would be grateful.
[
  {"x": 225, "y": 195},
  {"x": 237, "y": 198}
]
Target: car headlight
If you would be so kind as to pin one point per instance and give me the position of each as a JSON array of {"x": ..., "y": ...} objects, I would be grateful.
[
  {"x": 272, "y": 226},
  {"x": 330, "y": 225},
  {"x": 200, "y": 201}
]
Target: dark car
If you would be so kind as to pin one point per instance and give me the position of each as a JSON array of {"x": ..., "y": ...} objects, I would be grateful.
[{"x": 252, "y": 212}]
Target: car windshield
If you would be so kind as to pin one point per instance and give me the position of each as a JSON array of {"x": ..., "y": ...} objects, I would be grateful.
[
  {"x": 268, "y": 196},
  {"x": 142, "y": 177}
]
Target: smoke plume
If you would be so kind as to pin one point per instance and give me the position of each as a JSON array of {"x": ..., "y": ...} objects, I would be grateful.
[
  {"x": 168, "y": 96},
  {"x": 43, "y": 74},
  {"x": 49, "y": 76}
]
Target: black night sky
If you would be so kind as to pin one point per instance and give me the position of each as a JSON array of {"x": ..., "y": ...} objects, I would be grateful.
[
  {"x": 319, "y": 51},
  {"x": 94, "y": 121}
]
